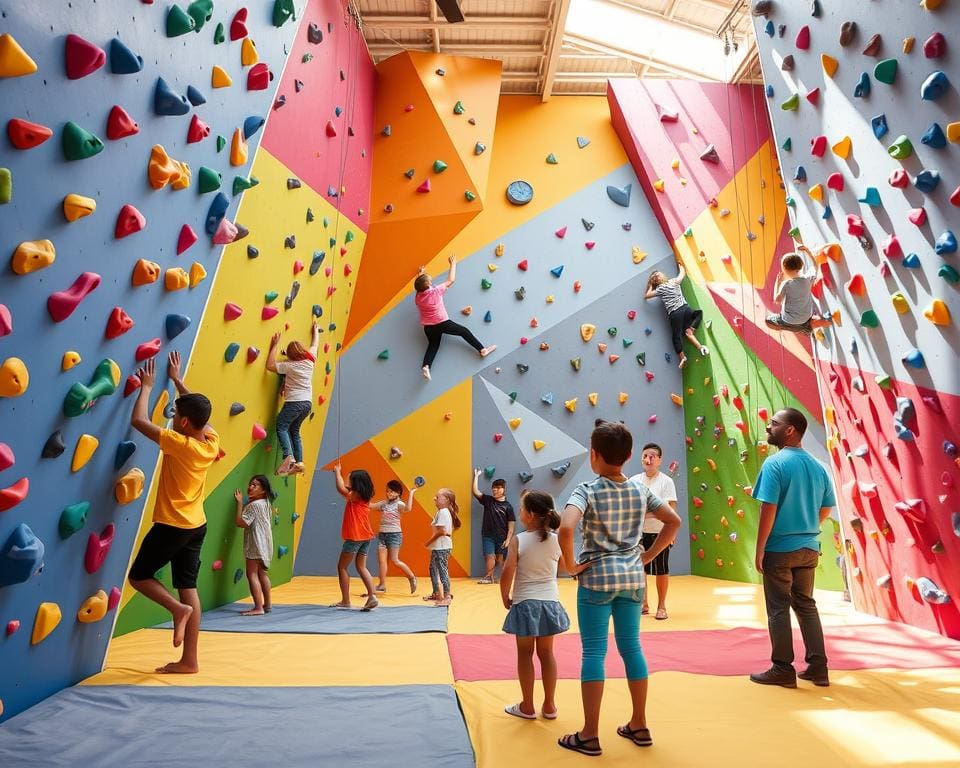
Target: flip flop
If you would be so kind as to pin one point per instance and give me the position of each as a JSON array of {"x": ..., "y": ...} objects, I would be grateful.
[
  {"x": 341, "y": 606},
  {"x": 661, "y": 614},
  {"x": 573, "y": 742},
  {"x": 639, "y": 736},
  {"x": 549, "y": 715},
  {"x": 371, "y": 603},
  {"x": 514, "y": 709}
]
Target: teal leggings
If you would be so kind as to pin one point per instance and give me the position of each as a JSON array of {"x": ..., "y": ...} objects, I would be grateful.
[{"x": 594, "y": 610}]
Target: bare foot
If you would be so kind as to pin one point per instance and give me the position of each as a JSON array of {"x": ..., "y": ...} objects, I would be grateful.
[
  {"x": 487, "y": 350},
  {"x": 253, "y": 612},
  {"x": 341, "y": 604},
  {"x": 181, "y": 615},
  {"x": 178, "y": 668}
]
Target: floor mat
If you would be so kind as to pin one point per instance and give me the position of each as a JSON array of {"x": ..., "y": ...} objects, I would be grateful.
[
  {"x": 717, "y": 652},
  {"x": 869, "y": 719},
  {"x": 310, "y": 619},
  {"x": 310, "y": 726}
]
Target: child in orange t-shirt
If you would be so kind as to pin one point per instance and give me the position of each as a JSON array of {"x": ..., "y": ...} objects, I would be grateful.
[{"x": 356, "y": 533}]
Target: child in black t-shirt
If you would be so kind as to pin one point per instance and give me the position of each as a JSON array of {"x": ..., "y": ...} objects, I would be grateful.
[{"x": 498, "y": 524}]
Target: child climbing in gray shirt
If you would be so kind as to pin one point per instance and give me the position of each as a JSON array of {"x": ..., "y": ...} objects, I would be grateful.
[{"x": 792, "y": 290}]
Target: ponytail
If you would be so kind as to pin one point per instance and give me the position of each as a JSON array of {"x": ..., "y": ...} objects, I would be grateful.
[
  {"x": 452, "y": 505},
  {"x": 540, "y": 505}
]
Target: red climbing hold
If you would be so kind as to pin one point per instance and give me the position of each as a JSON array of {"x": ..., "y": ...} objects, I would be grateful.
[
  {"x": 917, "y": 216},
  {"x": 118, "y": 323},
  {"x": 258, "y": 432},
  {"x": 561, "y": 232},
  {"x": 523, "y": 265},
  {"x": 197, "y": 131},
  {"x": 231, "y": 311},
  {"x": 935, "y": 46},
  {"x": 955, "y": 197},
  {"x": 83, "y": 57},
  {"x": 813, "y": 96},
  {"x": 856, "y": 285},
  {"x": 891, "y": 247},
  {"x": 252, "y": 354},
  {"x": 10, "y": 497},
  {"x": 425, "y": 187},
  {"x": 12, "y": 626},
  {"x": 803, "y": 38},
  {"x": 129, "y": 222},
  {"x": 61, "y": 304},
  {"x": 268, "y": 313},
  {"x": 818, "y": 146},
  {"x": 132, "y": 385},
  {"x": 26, "y": 135},
  {"x": 899, "y": 179},
  {"x": 187, "y": 238},
  {"x": 738, "y": 402},
  {"x": 147, "y": 350},
  {"x": 835, "y": 181},
  {"x": 855, "y": 225},
  {"x": 6, "y": 321},
  {"x": 331, "y": 129},
  {"x": 238, "y": 27},
  {"x": 589, "y": 245},
  {"x": 97, "y": 549},
  {"x": 120, "y": 124},
  {"x": 259, "y": 77},
  {"x": 298, "y": 267}
]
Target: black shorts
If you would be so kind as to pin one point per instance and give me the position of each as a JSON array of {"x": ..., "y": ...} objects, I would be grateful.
[
  {"x": 178, "y": 546},
  {"x": 660, "y": 565}
]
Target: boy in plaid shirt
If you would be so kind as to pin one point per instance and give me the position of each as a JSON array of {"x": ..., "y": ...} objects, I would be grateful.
[{"x": 610, "y": 512}]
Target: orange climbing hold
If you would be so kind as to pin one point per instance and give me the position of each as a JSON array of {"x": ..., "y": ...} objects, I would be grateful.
[
  {"x": 93, "y": 608},
  {"x": 829, "y": 251},
  {"x": 843, "y": 147},
  {"x": 14, "y": 378},
  {"x": 14, "y": 61},
  {"x": 829, "y": 64},
  {"x": 145, "y": 272},
  {"x": 937, "y": 313},
  {"x": 162, "y": 169},
  {"x": 219, "y": 78},
  {"x": 47, "y": 619},
  {"x": 76, "y": 207},
  {"x": 33, "y": 255},
  {"x": 129, "y": 487},
  {"x": 175, "y": 279},
  {"x": 238, "y": 149},
  {"x": 197, "y": 273},
  {"x": 248, "y": 53},
  {"x": 86, "y": 446}
]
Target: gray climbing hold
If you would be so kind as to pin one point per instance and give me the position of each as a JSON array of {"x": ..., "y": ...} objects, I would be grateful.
[
  {"x": 561, "y": 469},
  {"x": 587, "y": 225},
  {"x": 620, "y": 195},
  {"x": 523, "y": 368},
  {"x": 709, "y": 155},
  {"x": 237, "y": 408},
  {"x": 525, "y": 477},
  {"x": 547, "y": 399},
  {"x": 54, "y": 446}
]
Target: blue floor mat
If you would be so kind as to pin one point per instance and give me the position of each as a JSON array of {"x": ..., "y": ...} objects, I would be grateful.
[
  {"x": 144, "y": 726},
  {"x": 321, "y": 620}
]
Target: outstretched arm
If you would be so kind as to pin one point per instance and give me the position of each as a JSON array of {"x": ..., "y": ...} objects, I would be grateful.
[
  {"x": 314, "y": 338},
  {"x": 341, "y": 486},
  {"x": 413, "y": 490},
  {"x": 681, "y": 274},
  {"x": 451, "y": 278},
  {"x": 140, "y": 420},
  {"x": 272, "y": 352},
  {"x": 173, "y": 371},
  {"x": 476, "y": 484}
]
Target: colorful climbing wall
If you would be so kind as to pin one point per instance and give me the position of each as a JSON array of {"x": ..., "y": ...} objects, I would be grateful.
[
  {"x": 132, "y": 148},
  {"x": 555, "y": 283},
  {"x": 704, "y": 156},
  {"x": 864, "y": 105}
]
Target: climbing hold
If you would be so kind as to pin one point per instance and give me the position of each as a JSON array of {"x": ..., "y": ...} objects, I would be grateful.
[
  {"x": 14, "y": 378},
  {"x": 238, "y": 149},
  {"x": 587, "y": 330},
  {"x": 54, "y": 446},
  {"x": 709, "y": 155},
  {"x": 818, "y": 146},
  {"x": 835, "y": 181},
  {"x": 855, "y": 225},
  {"x": 552, "y": 159},
  {"x": 869, "y": 319},
  {"x": 82, "y": 57},
  {"x": 879, "y": 125},
  {"x": 217, "y": 210},
  {"x": 945, "y": 244},
  {"x": 258, "y": 432},
  {"x": 935, "y": 86},
  {"x": 514, "y": 423},
  {"x": 791, "y": 104},
  {"x": 519, "y": 192},
  {"x": 129, "y": 221},
  {"x": 620, "y": 195},
  {"x": 557, "y": 271},
  {"x": 816, "y": 192},
  {"x": 78, "y": 143},
  {"x": 104, "y": 382},
  {"x": 873, "y": 46},
  {"x": 930, "y": 592},
  {"x": 93, "y": 608},
  {"x": 937, "y": 312},
  {"x": 538, "y": 445},
  {"x": 803, "y": 38},
  {"x": 168, "y": 102},
  {"x": 870, "y": 197},
  {"x": 927, "y": 180},
  {"x": 147, "y": 350},
  {"x": 175, "y": 279},
  {"x": 179, "y": 22},
  {"x": 439, "y": 166},
  {"x": 843, "y": 147},
  {"x": 47, "y": 618},
  {"x": 862, "y": 89},
  {"x": 14, "y": 61},
  {"x": 914, "y": 358},
  {"x": 547, "y": 399},
  {"x": 917, "y": 216},
  {"x": 97, "y": 549},
  {"x": 61, "y": 304},
  {"x": 73, "y": 518},
  {"x": 934, "y": 137},
  {"x": 829, "y": 64},
  {"x": 84, "y": 450},
  {"x": 259, "y": 77}
]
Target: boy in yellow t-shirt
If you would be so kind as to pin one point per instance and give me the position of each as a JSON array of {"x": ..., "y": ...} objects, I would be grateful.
[{"x": 179, "y": 523}]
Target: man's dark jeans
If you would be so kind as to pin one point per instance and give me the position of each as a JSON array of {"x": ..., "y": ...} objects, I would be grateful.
[{"x": 788, "y": 583}]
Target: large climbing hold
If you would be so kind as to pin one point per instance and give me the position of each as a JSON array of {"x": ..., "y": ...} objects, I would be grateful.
[
  {"x": 61, "y": 304},
  {"x": 219, "y": 78},
  {"x": 259, "y": 77},
  {"x": 914, "y": 359},
  {"x": 14, "y": 61},
  {"x": 78, "y": 143},
  {"x": 620, "y": 195},
  {"x": 129, "y": 222},
  {"x": 283, "y": 11},
  {"x": 82, "y": 57},
  {"x": 14, "y": 494},
  {"x": 163, "y": 169},
  {"x": 123, "y": 61},
  {"x": 14, "y": 377},
  {"x": 97, "y": 549},
  {"x": 803, "y": 38},
  {"x": 129, "y": 487},
  {"x": 104, "y": 382},
  {"x": 33, "y": 255},
  {"x": 26, "y": 135},
  {"x": 21, "y": 556},
  {"x": 77, "y": 207},
  {"x": 934, "y": 137},
  {"x": 935, "y": 86},
  {"x": 217, "y": 210},
  {"x": 179, "y": 22},
  {"x": 174, "y": 325},
  {"x": 886, "y": 71},
  {"x": 945, "y": 244},
  {"x": 93, "y": 608},
  {"x": 937, "y": 312},
  {"x": 930, "y": 592},
  {"x": 73, "y": 518},
  {"x": 145, "y": 272},
  {"x": 168, "y": 102},
  {"x": 83, "y": 452},
  {"x": 47, "y": 618},
  {"x": 901, "y": 148}
]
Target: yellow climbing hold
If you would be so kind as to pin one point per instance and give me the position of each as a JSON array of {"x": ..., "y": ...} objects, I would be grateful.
[
  {"x": 830, "y": 414},
  {"x": 48, "y": 616},
  {"x": 514, "y": 423},
  {"x": 829, "y": 64},
  {"x": 492, "y": 267},
  {"x": 930, "y": 5},
  {"x": 238, "y": 149},
  {"x": 77, "y": 206},
  {"x": 953, "y": 132},
  {"x": 900, "y": 303},
  {"x": 937, "y": 313},
  {"x": 248, "y": 53},
  {"x": 498, "y": 251},
  {"x": 587, "y": 330},
  {"x": 843, "y": 147},
  {"x": 157, "y": 416},
  {"x": 675, "y": 163},
  {"x": 570, "y": 405},
  {"x": 592, "y": 398},
  {"x": 658, "y": 185},
  {"x": 550, "y": 298},
  {"x": 821, "y": 336},
  {"x": 183, "y": 180},
  {"x": 623, "y": 397},
  {"x": 93, "y": 608},
  {"x": 175, "y": 279},
  {"x": 197, "y": 273},
  {"x": 712, "y": 464},
  {"x": 816, "y": 192},
  {"x": 638, "y": 255},
  {"x": 908, "y": 44},
  {"x": 538, "y": 445},
  {"x": 836, "y": 317},
  {"x": 86, "y": 445},
  {"x": 33, "y": 255},
  {"x": 129, "y": 487},
  {"x": 14, "y": 377},
  {"x": 677, "y": 399},
  {"x": 14, "y": 61},
  {"x": 220, "y": 79},
  {"x": 70, "y": 359},
  {"x": 706, "y": 381}
]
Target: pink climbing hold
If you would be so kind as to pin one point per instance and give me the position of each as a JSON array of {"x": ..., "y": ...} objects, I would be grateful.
[
  {"x": 589, "y": 245},
  {"x": 631, "y": 314},
  {"x": 12, "y": 626},
  {"x": 803, "y": 38},
  {"x": 231, "y": 311},
  {"x": 238, "y": 26},
  {"x": 523, "y": 265},
  {"x": 347, "y": 270},
  {"x": 652, "y": 419},
  {"x": 298, "y": 267},
  {"x": 891, "y": 247},
  {"x": 83, "y": 57},
  {"x": 129, "y": 222},
  {"x": 813, "y": 96},
  {"x": 7, "y": 458},
  {"x": 268, "y": 313},
  {"x": 197, "y": 131},
  {"x": 217, "y": 565},
  {"x": 818, "y": 146},
  {"x": 258, "y": 432},
  {"x": 898, "y": 179},
  {"x": 561, "y": 232},
  {"x": 917, "y": 216},
  {"x": 226, "y": 232},
  {"x": 331, "y": 129},
  {"x": 113, "y": 599},
  {"x": 425, "y": 186},
  {"x": 6, "y": 321},
  {"x": 835, "y": 181},
  {"x": 252, "y": 354},
  {"x": 118, "y": 323},
  {"x": 259, "y": 77},
  {"x": 668, "y": 115},
  {"x": 186, "y": 238},
  {"x": 650, "y": 376},
  {"x": 147, "y": 350},
  {"x": 855, "y": 225},
  {"x": 120, "y": 124},
  {"x": 61, "y": 304},
  {"x": 97, "y": 549},
  {"x": 131, "y": 385},
  {"x": 935, "y": 46}
]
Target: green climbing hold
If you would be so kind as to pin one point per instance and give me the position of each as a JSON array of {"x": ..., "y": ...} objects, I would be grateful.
[
  {"x": 283, "y": 11},
  {"x": 869, "y": 319},
  {"x": 241, "y": 183},
  {"x": 306, "y": 58},
  {"x": 201, "y": 11},
  {"x": 81, "y": 397},
  {"x": 948, "y": 273},
  {"x": 575, "y": 363},
  {"x": 218, "y": 34},
  {"x": 688, "y": 232},
  {"x": 513, "y": 396},
  {"x": 642, "y": 358},
  {"x": 384, "y": 355},
  {"x": 612, "y": 331},
  {"x": 489, "y": 471},
  {"x": 179, "y": 22},
  {"x": 787, "y": 145},
  {"x": 78, "y": 143},
  {"x": 627, "y": 343},
  {"x": 486, "y": 284},
  {"x": 270, "y": 296},
  {"x": 6, "y": 186},
  {"x": 458, "y": 108},
  {"x": 469, "y": 196},
  {"x": 883, "y": 381},
  {"x": 794, "y": 233},
  {"x": 901, "y": 149},
  {"x": 349, "y": 236},
  {"x": 439, "y": 166},
  {"x": 886, "y": 71},
  {"x": 208, "y": 180},
  {"x": 221, "y": 143},
  {"x": 790, "y": 202},
  {"x": 552, "y": 159},
  {"x": 791, "y": 104},
  {"x": 72, "y": 519}
]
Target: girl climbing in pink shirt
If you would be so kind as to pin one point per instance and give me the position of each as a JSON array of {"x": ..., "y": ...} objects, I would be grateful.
[{"x": 434, "y": 317}]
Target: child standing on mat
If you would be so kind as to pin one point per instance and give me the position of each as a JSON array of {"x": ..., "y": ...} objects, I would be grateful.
[
  {"x": 179, "y": 522},
  {"x": 609, "y": 511},
  {"x": 297, "y": 371},
  {"x": 683, "y": 320},
  {"x": 256, "y": 519},
  {"x": 535, "y": 613},
  {"x": 440, "y": 544},
  {"x": 434, "y": 317},
  {"x": 498, "y": 525},
  {"x": 356, "y": 533},
  {"x": 390, "y": 535},
  {"x": 792, "y": 291}
]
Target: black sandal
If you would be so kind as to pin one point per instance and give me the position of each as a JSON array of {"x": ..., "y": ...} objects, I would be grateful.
[
  {"x": 639, "y": 736},
  {"x": 573, "y": 742}
]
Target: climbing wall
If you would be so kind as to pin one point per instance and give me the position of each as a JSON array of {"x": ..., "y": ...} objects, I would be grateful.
[
  {"x": 717, "y": 195},
  {"x": 132, "y": 148},
  {"x": 556, "y": 283},
  {"x": 864, "y": 103}
]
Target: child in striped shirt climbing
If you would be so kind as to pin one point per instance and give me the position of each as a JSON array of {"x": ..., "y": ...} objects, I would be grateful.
[{"x": 683, "y": 320}]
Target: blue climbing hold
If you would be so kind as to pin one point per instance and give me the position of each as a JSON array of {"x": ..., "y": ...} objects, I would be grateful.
[
  {"x": 331, "y": 192},
  {"x": 770, "y": 29},
  {"x": 547, "y": 398},
  {"x": 903, "y": 433},
  {"x": 251, "y": 125},
  {"x": 479, "y": 148},
  {"x": 230, "y": 352},
  {"x": 955, "y": 523},
  {"x": 946, "y": 243},
  {"x": 217, "y": 210},
  {"x": 166, "y": 101},
  {"x": 927, "y": 180},
  {"x": 871, "y": 197},
  {"x": 195, "y": 97},
  {"x": 648, "y": 331},
  {"x": 316, "y": 310},
  {"x": 21, "y": 556},
  {"x": 769, "y": 91},
  {"x": 853, "y": 347},
  {"x": 175, "y": 325},
  {"x": 525, "y": 477},
  {"x": 125, "y": 449},
  {"x": 561, "y": 469},
  {"x": 582, "y": 141},
  {"x": 123, "y": 61},
  {"x": 488, "y": 317},
  {"x": 879, "y": 125},
  {"x": 934, "y": 137},
  {"x": 557, "y": 271},
  {"x": 667, "y": 357},
  {"x": 281, "y": 551},
  {"x": 419, "y": 481},
  {"x": 827, "y": 213},
  {"x": 914, "y": 358},
  {"x": 906, "y": 411},
  {"x": 862, "y": 88},
  {"x": 316, "y": 261},
  {"x": 621, "y": 196},
  {"x": 800, "y": 174},
  {"x": 237, "y": 575},
  {"x": 911, "y": 261},
  {"x": 934, "y": 87}
]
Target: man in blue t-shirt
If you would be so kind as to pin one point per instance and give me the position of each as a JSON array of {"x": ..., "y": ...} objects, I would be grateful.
[{"x": 795, "y": 497}]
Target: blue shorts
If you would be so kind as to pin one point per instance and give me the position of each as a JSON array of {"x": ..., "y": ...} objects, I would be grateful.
[
  {"x": 493, "y": 546},
  {"x": 355, "y": 547},
  {"x": 390, "y": 539}
]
